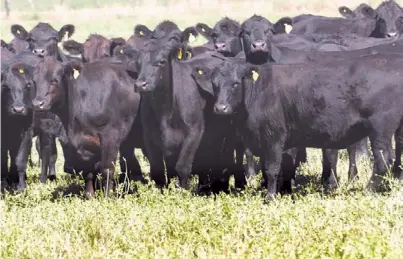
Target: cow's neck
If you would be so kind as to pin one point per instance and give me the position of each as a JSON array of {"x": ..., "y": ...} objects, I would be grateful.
[{"x": 163, "y": 95}]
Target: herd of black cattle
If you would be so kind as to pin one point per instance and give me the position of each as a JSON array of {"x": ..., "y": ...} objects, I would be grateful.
[{"x": 253, "y": 88}]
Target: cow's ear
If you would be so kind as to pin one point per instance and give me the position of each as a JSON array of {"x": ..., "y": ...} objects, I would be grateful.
[
  {"x": 19, "y": 32},
  {"x": 73, "y": 68},
  {"x": 125, "y": 52},
  {"x": 189, "y": 53},
  {"x": 142, "y": 31},
  {"x": 69, "y": 29},
  {"x": 179, "y": 52},
  {"x": 203, "y": 76},
  {"x": 205, "y": 31},
  {"x": 117, "y": 42},
  {"x": 346, "y": 12},
  {"x": 73, "y": 47},
  {"x": 282, "y": 25},
  {"x": 189, "y": 34}
]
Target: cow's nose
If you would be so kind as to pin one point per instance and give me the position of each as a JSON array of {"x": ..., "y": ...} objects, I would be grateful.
[
  {"x": 220, "y": 46},
  {"x": 259, "y": 45},
  {"x": 19, "y": 109},
  {"x": 221, "y": 108},
  {"x": 39, "y": 52},
  {"x": 38, "y": 104},
  {"x": 392, "y": 34},
  {"x": 141, "y": 85}
]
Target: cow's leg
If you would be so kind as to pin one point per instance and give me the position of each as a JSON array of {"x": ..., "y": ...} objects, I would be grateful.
[
  {"x": 89, "y": 178},
  {"x": 109, "y": 153},
  {"x": 288, "y": 171},
  {"x": 273, "y": 157},
  {"x": 186, "y": 156},
  {"x": 129, "y": 163},
  {"x": 170, "y": 162},
  {"x": 21, "y": 159},
  {"x": 329, "y": 173},
  {"x": 397, "y": 166},
  {"x": 250, "y": 163},
  {"x": 4, "y": 162},
  {"x": 382, "y": 160},
  {"x": 45, "y": 152},
  {"x": 301, "y": 156},
  {"x": 362, "y": 148},
  {"x": 52, "y": 159},
  {"x": 352, "y": 163}
]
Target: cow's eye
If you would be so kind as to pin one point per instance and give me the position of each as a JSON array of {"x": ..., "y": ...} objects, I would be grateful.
[
  {"x": 28, "y": 85},
  {"x": 162, "y": 63},
  {"x": 54, "y": 81}
]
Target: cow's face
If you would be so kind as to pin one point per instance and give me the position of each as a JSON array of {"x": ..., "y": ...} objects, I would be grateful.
[
  {"x": 390, "y": 11},
  {"x": 257, "y": 33},
  {"x": 16, "y": 88},
  {"x": 155, "y": 61},
  {"x": 50, "y": 81},
  {"x": 228, "y": 84},
  {"x": 43, "y": 39},
  {"x": 225, "y": 36}
]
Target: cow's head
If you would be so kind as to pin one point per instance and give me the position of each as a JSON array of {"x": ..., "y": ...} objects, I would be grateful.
[
  {"x": 51, "y": 80},
  {"x": 224, "y": 36},
  {"x": 43, "y": 38},
  {"x": 16, "y": 88},
  {"x": 94, "y": 48},
  {"x": 229, "y": 82},
  {"x": 155, "y": 62},
  {"x": 256, "y": 34},
  {"x": 357, "y": 13},
  {"x": 390, "y": 11}
]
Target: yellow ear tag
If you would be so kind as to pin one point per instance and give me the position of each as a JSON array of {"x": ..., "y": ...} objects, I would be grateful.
[
  {"x": 121, "y": 51},
  {"x": 255, "y": 75},
  {"x": 191, "y": 38},
  {"x": 201, "y": 72},
  {"x": 180, "y": 53},
  {"x": 288, "y": 28},
  {"x": 76, "y": 73},
  {"x": 21, "y": 71},
  {"x": 203, "y": 30},
  {"x": 189, "y": 54},
  {"x": 141, "y": 33}
]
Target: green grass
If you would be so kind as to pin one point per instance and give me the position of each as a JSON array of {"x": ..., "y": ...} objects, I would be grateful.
[{"x": 53, "y": 221}]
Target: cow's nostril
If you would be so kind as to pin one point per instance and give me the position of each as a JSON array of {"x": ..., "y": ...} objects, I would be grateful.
[{"x": 19, "y": 109}]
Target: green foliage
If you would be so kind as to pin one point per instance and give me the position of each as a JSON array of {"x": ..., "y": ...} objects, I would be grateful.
[{"x": 53, "y": 220}]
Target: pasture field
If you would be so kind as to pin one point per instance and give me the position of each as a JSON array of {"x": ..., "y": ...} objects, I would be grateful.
[{"x": 54, "y": 221}]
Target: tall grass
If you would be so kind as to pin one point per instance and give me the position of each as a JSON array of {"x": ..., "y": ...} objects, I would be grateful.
[{"x": 53, "y": 221}]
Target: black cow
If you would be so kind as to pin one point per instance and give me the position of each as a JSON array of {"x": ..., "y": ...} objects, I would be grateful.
[
  {"x": 16, "y": 120},
  {"x": 372, "y": 25},
  {"x": 320, "y": 105},
  {"x": 94, "y": 48},
  {"x": 175, "y": 117},
  {"x": 43, "y": 38},
  {"x": 97, "y": 122}
]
